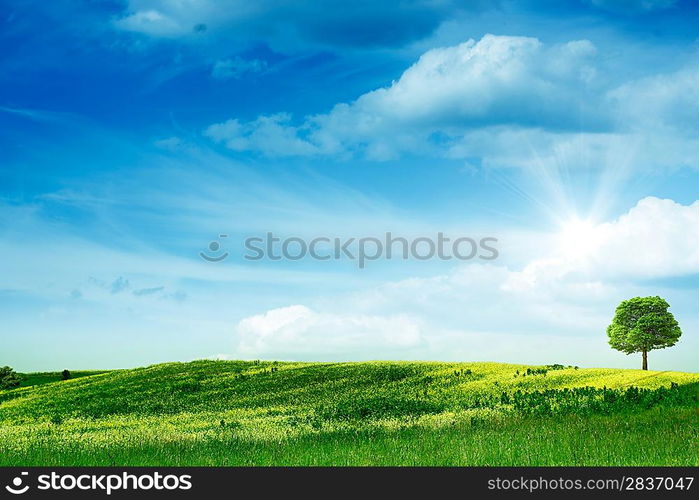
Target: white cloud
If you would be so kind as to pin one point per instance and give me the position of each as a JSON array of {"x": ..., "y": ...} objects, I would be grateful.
[
  {"x": 165, "y": 18},
  {"x": 656, "y": 238},
  {"x": 661, "y": 101},
  {"x": 508, "y": 101},
  {"x": 497, "y": 80},
  {"x": 152, "y": 22},
  {"x": 271, "y": 135},
  {"x": 302, "y": 333}
]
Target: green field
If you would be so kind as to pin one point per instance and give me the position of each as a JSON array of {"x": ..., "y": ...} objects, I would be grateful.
[
  {"x": 39, "y": 378},
  {"x": 375, "y": 413}
]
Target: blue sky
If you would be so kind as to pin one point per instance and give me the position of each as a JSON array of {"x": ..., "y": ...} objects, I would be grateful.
[{"x": 133, "y": 133}]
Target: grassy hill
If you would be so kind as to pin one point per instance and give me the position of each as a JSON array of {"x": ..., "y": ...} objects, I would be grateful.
[
  {"x": 249, "y": 413},
  {"x": 39, "y": 378}
]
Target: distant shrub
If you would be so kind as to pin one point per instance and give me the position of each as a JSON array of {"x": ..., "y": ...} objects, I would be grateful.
[
  {"x": 593, "y": 400},
  {"x": 186, "y": 386},
  {"x": 9, "y": 379},
  {"x": 380, "y": 407},
  {"x": 544, "y": 370},
  {"x": 65, "y": 375},
  {"x": 231, "y": 424}
]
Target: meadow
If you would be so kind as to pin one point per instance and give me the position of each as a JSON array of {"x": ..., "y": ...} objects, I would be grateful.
[
  {"x": 373, "y": 413},
  {"x": 39, "y": 378}
]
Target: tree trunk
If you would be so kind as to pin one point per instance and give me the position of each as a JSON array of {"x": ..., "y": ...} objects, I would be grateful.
[{"x": 645, "y": 360}]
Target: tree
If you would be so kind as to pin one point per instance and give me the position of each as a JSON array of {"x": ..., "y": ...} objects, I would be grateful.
[
  {"x": 642, "y": 324},
  {"x": 9, "y": 379},
  {"x": 65, "y": 375}
]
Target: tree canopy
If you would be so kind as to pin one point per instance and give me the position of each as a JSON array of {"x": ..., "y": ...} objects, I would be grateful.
[
  {"x": 9, "y": 379},
  {"x": 642, "y": 324}
]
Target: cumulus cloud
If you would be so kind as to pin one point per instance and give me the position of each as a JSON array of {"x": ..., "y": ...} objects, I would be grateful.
[
  {"x": 498, "y": 80},
  {"x": 656, "y": 238},
  {"x": 291, "y": 331},
  {"x": 507, "y": 101},
  {"x": 272, "y": 135}
]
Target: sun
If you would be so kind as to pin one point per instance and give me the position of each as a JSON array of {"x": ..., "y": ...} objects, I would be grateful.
[{"x": 578, "y": 238}]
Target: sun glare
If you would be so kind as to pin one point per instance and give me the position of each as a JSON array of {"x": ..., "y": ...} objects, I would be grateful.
[{"x": 578, "y": 238}]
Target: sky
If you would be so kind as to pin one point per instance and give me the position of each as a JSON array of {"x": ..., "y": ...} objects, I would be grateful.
[{"x": 134, "y": 133}]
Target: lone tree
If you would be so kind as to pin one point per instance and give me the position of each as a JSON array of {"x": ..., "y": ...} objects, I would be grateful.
[
  {"x": 65, "y": 375},
  {"x": 642, "y": 324},
  {"x": 9, "y": 379}
]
